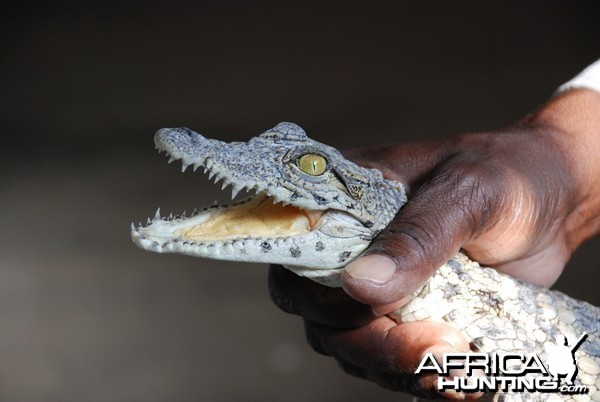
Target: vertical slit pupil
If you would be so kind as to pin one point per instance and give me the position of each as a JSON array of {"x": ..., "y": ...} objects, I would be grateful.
[{"x": 312, "y": 164}]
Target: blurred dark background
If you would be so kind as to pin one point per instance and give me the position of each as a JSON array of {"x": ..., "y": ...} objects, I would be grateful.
[{"x": 86, "y": 315}]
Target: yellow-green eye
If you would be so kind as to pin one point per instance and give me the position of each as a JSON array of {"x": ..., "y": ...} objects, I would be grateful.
[{"x": 312, "y": 164}]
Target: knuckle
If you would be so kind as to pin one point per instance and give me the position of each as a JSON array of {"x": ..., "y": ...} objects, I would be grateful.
[
  {"x": 471, "y": 190},
  {"x": 476, "y": 192},
  {"x": 414, "y": 238},
  {"x": 469, "y": 173}
]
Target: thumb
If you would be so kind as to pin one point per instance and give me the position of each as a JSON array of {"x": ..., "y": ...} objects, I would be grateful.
[{"x": 441, "y": 217}]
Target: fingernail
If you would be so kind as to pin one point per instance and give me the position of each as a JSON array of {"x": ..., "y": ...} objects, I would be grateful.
[{"x": 374, "y": 268}]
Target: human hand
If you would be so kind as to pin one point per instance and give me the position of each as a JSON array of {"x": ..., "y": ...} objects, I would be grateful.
[{"x": 519, "y": 199}]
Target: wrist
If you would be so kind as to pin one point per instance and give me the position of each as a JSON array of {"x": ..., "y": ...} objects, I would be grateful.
[{"x": 573, "y": 119}]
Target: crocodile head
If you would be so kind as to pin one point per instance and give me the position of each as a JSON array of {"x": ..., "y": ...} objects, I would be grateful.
[{"x": 313, "y": 210}]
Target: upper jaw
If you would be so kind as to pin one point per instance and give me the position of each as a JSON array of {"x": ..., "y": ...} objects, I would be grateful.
[
  {"x": 232, "y": 163},
  {"x": 192, "y": 149}
]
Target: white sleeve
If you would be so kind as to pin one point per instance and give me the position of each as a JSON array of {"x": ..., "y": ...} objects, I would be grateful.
[{"x": 588, "y": 78}]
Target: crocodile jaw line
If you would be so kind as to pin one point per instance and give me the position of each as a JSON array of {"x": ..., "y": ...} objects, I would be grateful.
[{"x": 256, "y": 217}]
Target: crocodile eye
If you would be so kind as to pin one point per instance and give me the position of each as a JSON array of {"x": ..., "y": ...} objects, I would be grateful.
[{"x": 312, "y": 164}]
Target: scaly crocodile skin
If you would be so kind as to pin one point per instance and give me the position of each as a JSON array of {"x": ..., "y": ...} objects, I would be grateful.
[{"x": 331, "y": 218}]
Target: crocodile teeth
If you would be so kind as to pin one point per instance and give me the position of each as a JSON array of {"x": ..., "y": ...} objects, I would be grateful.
[
  {"x": 234, "y": 191},
  {"x": 171, "y": 159},
  {"x": 184, "y": 166},
  {"x": 210, "y": 175},
  {"x": 225, "y": 184},
  {"x": 157, "y": 214}
]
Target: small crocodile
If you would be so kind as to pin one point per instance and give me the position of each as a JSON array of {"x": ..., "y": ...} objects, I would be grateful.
[{"x": 314, "y": 212}]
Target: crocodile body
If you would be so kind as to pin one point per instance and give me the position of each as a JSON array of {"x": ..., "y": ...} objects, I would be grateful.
[{"x": 314, "y": 212}]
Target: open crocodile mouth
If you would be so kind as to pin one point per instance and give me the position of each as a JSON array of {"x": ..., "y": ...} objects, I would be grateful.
[
  {"x": 259, "y": 216},
  {"x": 282, "y": 222}
]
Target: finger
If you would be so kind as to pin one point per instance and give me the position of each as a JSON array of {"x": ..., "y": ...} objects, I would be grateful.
[
  {"x": 384, "y": 350},
  {"x": 442, "y": 216},
  {"x": 383, "y": 344},
  {"x": 328, "y": 306}
]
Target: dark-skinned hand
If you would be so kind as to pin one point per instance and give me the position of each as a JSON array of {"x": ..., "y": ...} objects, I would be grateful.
[{"x": 520, "y": 199}]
